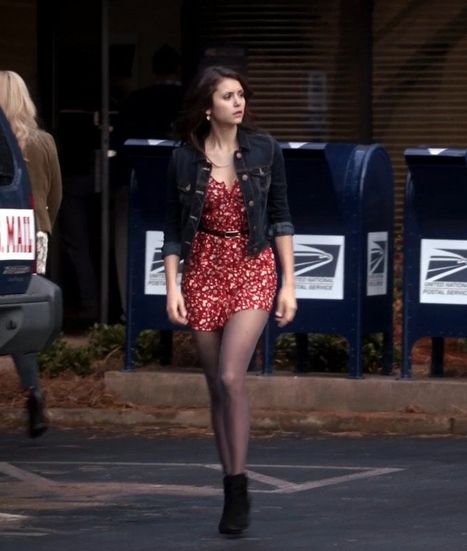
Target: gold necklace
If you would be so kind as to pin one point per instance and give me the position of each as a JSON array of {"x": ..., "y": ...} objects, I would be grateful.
[
  {"x": 221, "y": 166},
  {"x": 230, "y": 163}
]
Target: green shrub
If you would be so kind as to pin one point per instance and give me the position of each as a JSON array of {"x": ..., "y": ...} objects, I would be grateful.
[
  {"x": 105, "y": 340},
  {"x": 325, "y": 353},
  {"x": 147, "y": 346},
  {"x": 329, "y": 353},
  {"x": 60, "y": 356}
]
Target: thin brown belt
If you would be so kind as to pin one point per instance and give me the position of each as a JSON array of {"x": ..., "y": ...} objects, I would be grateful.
[{"x": 229, "y": 234}]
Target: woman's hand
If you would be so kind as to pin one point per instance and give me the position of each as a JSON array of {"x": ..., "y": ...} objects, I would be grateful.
[
  {"x": 176, "y": 310},
  {"x": 286, "y": 306}
]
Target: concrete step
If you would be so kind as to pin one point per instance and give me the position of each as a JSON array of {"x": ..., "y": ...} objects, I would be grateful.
[{"x": 289, "y": 392}]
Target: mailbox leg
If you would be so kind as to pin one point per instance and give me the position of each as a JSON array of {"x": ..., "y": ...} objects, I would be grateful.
[
  {"x": 130, "y": 343},
  {"x": 165, "y": 346},
  {"x": 387, "y": 353},
  {"x": 252, "y": 366},
  {"x": 130, "y": 339},
  {"x": 302, "y": 361},
  {"x": 129, "y": 366},
  {"x": 355, "y": 356},
  {"x": 437, "y": 356},
  {"x": 268, "y": 350},
  {"x": 406, "y": 361}
]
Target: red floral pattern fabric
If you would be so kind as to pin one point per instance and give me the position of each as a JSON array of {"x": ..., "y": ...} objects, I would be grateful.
[{"x": 220, "y": 278}]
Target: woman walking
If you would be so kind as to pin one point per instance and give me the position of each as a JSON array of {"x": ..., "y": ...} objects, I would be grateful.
[
  {"x": 40, "y": 154},
  {"x": 227, "y": 198}
]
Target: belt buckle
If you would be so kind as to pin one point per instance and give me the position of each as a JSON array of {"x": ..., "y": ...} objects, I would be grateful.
[{"x": 231, "y": 234}]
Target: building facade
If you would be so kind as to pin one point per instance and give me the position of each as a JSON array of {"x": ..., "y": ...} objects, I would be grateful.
[{"x": 322, "y": 70}]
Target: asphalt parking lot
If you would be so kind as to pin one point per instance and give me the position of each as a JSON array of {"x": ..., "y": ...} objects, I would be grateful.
[{"x": 102, "y": 491}]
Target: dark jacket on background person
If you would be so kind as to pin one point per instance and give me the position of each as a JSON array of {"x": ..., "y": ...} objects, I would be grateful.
[
  {"x": 259, "y": 165},
  {"x": 149, "y": 112}
]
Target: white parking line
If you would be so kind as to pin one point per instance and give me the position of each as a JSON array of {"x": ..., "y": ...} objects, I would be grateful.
[
  {"x": 279, "y": 485},
  {"x": 26, "y": 534},
  {"x": 25, "y": 476},
  {"x": 208, "y": 465},
  {"x": 286, "y": 487},
  {"x": 332, "y": 481},
  {"x": 7, "y": 517}
]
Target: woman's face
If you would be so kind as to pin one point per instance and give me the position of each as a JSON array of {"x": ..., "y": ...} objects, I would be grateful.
[{"x": 228, "y": 102}]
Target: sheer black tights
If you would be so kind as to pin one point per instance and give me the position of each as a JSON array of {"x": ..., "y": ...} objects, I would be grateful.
[{"x": 225, "y": 356}]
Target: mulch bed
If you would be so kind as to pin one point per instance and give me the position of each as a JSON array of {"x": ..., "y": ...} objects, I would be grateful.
[
  {"x": 455, "y": 358},
  {"x": 69, "y": 390}
]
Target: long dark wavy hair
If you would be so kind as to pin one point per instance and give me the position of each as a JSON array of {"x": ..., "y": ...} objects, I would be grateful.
[{"x": 192, "y": 126}]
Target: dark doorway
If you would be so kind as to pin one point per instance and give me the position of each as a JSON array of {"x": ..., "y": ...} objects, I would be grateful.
[
  {"x": 72, "y": 81},
  {"x": 70, "y": 90}
]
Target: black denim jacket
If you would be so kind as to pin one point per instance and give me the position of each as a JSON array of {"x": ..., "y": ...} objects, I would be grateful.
[{"x": 259, "y": 165}]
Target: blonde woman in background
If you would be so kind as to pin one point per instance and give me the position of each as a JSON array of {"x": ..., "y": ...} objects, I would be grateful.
[{"x": 40, "y": 154}]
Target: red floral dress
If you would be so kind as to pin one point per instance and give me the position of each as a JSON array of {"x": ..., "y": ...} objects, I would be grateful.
[{"x": 220, "y": 278}]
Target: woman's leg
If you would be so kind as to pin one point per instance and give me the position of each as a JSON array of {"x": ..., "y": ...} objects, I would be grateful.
[
  {"x": 239, "y": 340},
  {"x": 28, "y": 370},
  {"x": 208, "y": 346}
]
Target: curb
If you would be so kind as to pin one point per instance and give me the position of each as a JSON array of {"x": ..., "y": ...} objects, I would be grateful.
[
  {"x": 289, "y": 392},
  {"x": 299, "y": 422}
]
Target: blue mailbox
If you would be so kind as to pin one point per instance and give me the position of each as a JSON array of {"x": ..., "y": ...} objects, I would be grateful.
[
  {"x": 146, "y": 303},
  {"x": 435, "y": 251},
  {"x": 341, "y": 199}
]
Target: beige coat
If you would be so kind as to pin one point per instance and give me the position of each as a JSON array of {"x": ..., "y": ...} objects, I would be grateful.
[{"x": 45, "y": 177}]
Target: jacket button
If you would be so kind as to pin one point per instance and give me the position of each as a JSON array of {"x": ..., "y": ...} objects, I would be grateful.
[
  {"x": 238, "y": 155},
  {"x": 251, "y": 203},
  {"x": 245, "y": 177}
]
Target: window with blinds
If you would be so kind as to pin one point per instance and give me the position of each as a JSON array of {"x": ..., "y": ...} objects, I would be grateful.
[
  {"x": 350, "y": 70},
  {"x": 298, "y": 59},
  {"x": 419, "y": 78}
]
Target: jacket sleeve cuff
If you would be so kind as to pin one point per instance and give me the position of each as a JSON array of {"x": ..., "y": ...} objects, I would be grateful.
[
  {"x": 282, "y": 228},
  {"x": 171, "y": 248}
]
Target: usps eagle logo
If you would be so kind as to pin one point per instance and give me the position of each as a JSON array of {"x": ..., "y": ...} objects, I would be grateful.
[
  {"x": 447, "y": 265},
  {"x": 377, "y": 257},
  {"x": 316, "y": 261}
]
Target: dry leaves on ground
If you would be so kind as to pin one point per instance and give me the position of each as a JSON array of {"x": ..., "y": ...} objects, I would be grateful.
[{"x": 67, "y": 390}]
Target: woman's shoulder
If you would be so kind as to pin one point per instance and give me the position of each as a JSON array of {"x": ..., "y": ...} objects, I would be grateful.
[
  {"x": 41, "y": 142},
  {"x": 46, "y": 139},
  {"x": 260, "y": 140},
  {"x": 184, "y": 150},
  {"x": 258, "y": 136}
]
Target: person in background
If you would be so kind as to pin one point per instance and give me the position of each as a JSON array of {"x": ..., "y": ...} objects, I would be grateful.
[
  {"x": 226, "y": 203},
  {"x": 148, "y": 112},
  {"x": 40, "y": 154}
]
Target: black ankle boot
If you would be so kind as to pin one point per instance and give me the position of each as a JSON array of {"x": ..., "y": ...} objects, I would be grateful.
[
  {"x": 37, "y": 423},
  {"x": 235, "y": 516}
]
